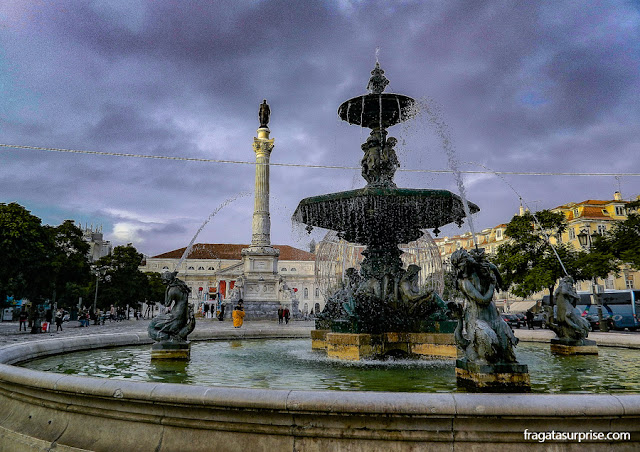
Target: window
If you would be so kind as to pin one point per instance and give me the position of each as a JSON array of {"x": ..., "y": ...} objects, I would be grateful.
[
  {"x": 499, "y": 234},
  {"x": 306, "y": 292},
  {"x": 317, "y": 292},
  {"x": 608, "y": 283},
  {"x": 628, "y": 281},
  {"x": 602, "y": 229},
  {"x": 576, "y": 213},
  {"x": 165, "y": 268},
  {"x": 293, "y": 269},
  {"x": 190, "y": 268},
  {"x": 210, "y": 268},
  {"x": 619, "y": 210},
  {"x": 283, "y": 269},
  {"x": 200, "y": 268},
  {"x": 572, "y": 234}
]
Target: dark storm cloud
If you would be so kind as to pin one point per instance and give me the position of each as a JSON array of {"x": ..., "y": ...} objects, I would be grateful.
[{"x": 521, "y": 86}]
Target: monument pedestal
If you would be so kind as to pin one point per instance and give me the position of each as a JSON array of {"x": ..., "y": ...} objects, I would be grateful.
[
  {"x": 357, "y": 346},
  {"x": 171, "y": 350},
  {"x": 573, "y": 347},
  {"x": 499, "y": 377},
  {"x": 319, "y": 339},
  {"x": 433, "y": 345}
]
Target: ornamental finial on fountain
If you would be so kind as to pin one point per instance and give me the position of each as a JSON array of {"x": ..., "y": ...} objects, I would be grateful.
[{"x": 378, "y": 82}]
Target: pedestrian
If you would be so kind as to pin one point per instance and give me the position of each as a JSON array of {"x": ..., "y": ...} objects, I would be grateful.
[
  {"x": 238, "y": 315},
  {"x": 529, "y": 316},
  {"x": 112, "y": 313},
  {"x": 280, "y": 314},
  {"x": 286, "y": 315},
  {"x": 49, "y": 319},
  {"x": 59, "y": 320},
  {"x": 23, "y": 319},
  {"x": 207, "y": 313},
  {"x": 221, "y": 315}
]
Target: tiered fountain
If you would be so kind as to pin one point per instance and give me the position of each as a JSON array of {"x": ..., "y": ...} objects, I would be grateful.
[{"x": 380, "y": 309}]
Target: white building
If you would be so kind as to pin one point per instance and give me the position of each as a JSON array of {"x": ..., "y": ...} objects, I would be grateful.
[{"x": 216, "y": 268}]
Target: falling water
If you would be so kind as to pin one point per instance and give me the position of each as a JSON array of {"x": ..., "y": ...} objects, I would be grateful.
[
  {"x": 535, "y": 218},
  {"x": 442, "y": 130},
  {"x": 377, "y": 54},
  {"x": 213, "y": 214},
  {"x": 399, "y": 110},
  {"x": 380, "y": 104}
]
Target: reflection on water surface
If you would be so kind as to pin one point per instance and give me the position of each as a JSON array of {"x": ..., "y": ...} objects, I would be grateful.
[{"x": 291, "y": 364}]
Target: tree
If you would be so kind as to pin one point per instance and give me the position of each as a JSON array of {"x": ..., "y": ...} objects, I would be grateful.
[
  {"x": 527, "y": 262},
  {"x": 155, "y": 287},
  {"x": 25, "y": 248},
  {"x": 70, "y": 268},
  {"x": 121, "y": 282},
  {"x": 623, "y": 240}
]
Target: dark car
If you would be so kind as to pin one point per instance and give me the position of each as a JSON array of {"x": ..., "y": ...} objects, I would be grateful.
[
  {"x": 512, "y": 320},
  {"x": 521, "y": 317},
  {"x": 539, "y": 320},
  {"x": 594, "y": 321}
]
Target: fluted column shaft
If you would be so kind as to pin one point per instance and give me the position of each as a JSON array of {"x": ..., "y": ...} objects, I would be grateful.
[{"x": 261, "y": 226}]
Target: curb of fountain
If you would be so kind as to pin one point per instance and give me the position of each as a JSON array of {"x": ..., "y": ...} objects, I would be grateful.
[
  {"x": 61, "y": 407},
  {"x": 609, "y": 339}
]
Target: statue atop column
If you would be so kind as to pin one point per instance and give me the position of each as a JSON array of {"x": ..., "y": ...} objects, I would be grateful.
[{"x": 264, "y": 113}]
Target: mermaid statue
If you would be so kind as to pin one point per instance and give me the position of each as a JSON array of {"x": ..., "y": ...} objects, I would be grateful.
[{"x": 179, "y": 320}]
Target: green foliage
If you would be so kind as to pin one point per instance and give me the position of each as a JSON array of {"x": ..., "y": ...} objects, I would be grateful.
[
  {"x": 527, "y": 262},
  {"x": 121, "y": 282},
  {"x": 156, "y": 288},
  {"x": 25, "y": 247},
  {"x": 623, "y": 241},
  {"x": 70, "y": 269}
]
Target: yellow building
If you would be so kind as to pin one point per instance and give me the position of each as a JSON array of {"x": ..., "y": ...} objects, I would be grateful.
[{"x": 584, "y": 220}]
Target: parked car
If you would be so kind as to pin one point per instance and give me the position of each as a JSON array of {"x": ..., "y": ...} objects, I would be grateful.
[
  {"x": 539, "y": 320},
  {"x": 594, "y": 321},
  {"x": 521, "y": 317},
  {"x": 512, "y": 320}
]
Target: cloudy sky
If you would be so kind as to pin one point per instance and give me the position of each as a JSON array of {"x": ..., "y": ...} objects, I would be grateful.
[{"x": 517, "y": 86}]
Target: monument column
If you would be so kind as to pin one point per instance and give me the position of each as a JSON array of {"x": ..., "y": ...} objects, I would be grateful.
[
  {"x": 260, "y": 260},
  {"x": 261, "y": 225}
]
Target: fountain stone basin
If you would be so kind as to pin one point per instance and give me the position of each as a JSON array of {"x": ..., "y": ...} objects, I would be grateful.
[
  {"x": 396, "y": 215},
  {"x": 39, "y": 410},
  {"x": 365, "y": 110}
]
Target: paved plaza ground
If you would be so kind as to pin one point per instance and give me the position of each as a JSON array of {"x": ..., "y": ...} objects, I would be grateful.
[{"x": 9, "y": 330}]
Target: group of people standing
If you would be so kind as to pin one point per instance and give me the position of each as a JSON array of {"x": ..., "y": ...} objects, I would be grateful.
[{"x": 284, "y": 315}]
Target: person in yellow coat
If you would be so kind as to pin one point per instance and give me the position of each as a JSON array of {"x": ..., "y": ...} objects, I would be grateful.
[{"x": 238, "y": 315}]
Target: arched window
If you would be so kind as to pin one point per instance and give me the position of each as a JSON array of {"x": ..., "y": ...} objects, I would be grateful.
[
  {"x": 165, "y": 268},
  {"x": 293, "y": 269},
  {"x": 190, "y": 268},
  {"x": 283, "y": 269},
  {"x": 200, "y": 268},
  {"x": 210, "y": 268}
]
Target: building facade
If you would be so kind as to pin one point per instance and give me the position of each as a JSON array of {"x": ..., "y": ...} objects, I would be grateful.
[
  {"x": 212, "y": 269},
  {"x": 585, "y": 218}
]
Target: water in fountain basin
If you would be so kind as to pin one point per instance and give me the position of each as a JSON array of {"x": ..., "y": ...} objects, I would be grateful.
[{"x": 213, "y": 214}]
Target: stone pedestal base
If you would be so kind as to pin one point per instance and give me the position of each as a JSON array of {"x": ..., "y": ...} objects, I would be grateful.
[
  {"x": 259, "y": 310},
  {"x": 171, "y": 350},
  {"x": 354, "y": 347},
  {"x": 500, "y": 377},
  {"x": 319, "y": 339},
  {"x": 433, "y": 345},
  {"x": 573, "y": 347}
]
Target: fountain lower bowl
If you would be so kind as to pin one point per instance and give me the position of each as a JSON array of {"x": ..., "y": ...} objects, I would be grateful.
[
  {"x": 40, "y": 410},
  {"x": 396, "y": 214}
]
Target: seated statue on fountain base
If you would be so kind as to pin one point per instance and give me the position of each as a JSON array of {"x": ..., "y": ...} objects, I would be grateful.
[
  {"x": 170, "y": 329},
  {"x": 371, "y": 317},
  {"x": 570, "y": 327},
  {"x": 489, "y": 363}
]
